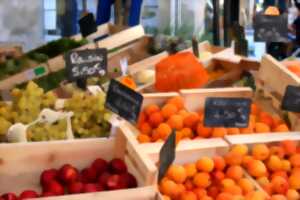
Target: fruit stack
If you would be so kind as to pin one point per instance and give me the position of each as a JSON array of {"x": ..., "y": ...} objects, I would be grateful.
[
  {"x": 100, "y": 176},
  {"x": 274, "y": 165},
  {"x": 156, "y": 123}
]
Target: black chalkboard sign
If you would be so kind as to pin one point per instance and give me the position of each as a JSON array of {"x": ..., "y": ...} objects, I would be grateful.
[
  {"x": 227, "y": 112},
  {"x": 123, "y": 101},
  {"x": 167, "y": 155},
  {"x": 271, "y": 28},
  {"x": 87, "y": 25},
  {"x": 86, "y": 63},
  {"x": 291, "y": 99}
]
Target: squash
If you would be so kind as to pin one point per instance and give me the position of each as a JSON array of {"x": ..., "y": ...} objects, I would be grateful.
[{"x": 179, "y": 71}]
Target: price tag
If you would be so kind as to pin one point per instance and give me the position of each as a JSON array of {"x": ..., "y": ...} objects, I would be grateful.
[
  {"x": 227, "y": 112},
  {"x": 271, "y": 28},
  {"x": 87, "y": 25},
  {"x": 123, "y": 101},
  {"x": 291, "y": 99},
  {"x": 167, "y": 155},
  {"x": 86, "y": 63}
]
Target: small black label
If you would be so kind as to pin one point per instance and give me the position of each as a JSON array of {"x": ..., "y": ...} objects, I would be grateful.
[
  {"x": 123, "y": 101},
  {"x": 86, "y": 63},
  {"x": 271, "y": 28},
  {"x": 87, "y": 25},
  {"x": 195, "y": 47},
  {"x": 227, "y": 112},
  {"x": 241, "y": 47},
  {"x": 167, "y": 155},
  {"x": 291, "y": 99}
]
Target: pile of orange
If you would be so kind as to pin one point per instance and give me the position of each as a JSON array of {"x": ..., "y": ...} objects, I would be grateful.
[
  {"x": 275, "y": 167},
  {"x": 217, "y": 178},
  {"x": 156, "y": 123},
  {"x": 293, "y": 66}
]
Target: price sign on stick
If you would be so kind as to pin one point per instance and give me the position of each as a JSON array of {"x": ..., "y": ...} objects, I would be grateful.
[
  {"x": 167, "y": 155},
  {"x": 123, "y": 101},
  {"x": 86, "y": 63},
  {"x": 227, "y": 112},
  {"x": 291, "y": 99},
  {"x": 87, "y": 25}
]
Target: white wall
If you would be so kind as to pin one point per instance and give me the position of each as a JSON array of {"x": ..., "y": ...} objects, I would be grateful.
[{"x": 22, "y": 21}]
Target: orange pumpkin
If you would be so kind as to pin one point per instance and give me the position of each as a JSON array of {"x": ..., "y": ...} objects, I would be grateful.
[
  {"x": 179, "y": 71},
  {"x": 272, "y": 10},
  {"x": 129, "y": 82}
]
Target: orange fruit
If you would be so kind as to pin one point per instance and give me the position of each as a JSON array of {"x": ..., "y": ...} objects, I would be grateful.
[
  {"x": 203, "y": 131},
  {"x": 294, "y": 181},
  {"x": 260, "y": 152},
  {"x": 235, "y": 172},
  {"x": 200, "y": 193},
  {"x": 188, "y": 195},
  {"x": 175, "y": 122},
  {"x": 286, "y": 165},
  {"x": 224, "y": 196},
  {"x": 164, "y": 130},
  {"x": 233, "y": 131},
  {"x": 145, "y": 128},
  {"x": 218, "y": 175},
  {"x": 155, "y": 119},
  {"x": 187, "y": 133},
  {"x": 241, "y": 149},
  {"x": 202, "y": 180},
  {"x": 219, "y": 132},
  {"x": 292, "y": 194},
  {"x": 282, "y": 174},
  {"x": 272, "y": 10},
  {"x": 290, "y": 147},
  {"x": 168, "y": 187},
  {"x": 142, "y": 138},
  {"x": 257, "y": 195},
  {"x": 177, "y": 173},
  {"x": 280, "y": 185},
  {"x": 183, "y": 113},
  {"x": 142, "y": 119},
  {"x": 246, "y": 185},
  {"x": 266, "y": 118},
  {"x": 234, "y": 190},
  {"x": 219, "y": 163},
  {"x": 254, "y": 109},
  {"x": 257, "y": 168},
  {"x": 206, "y": 198},
  {"x": 262, "y": 128},
  {"x": 274, "y": 163},
  {"x": 177, "y": 101},
  {"x": 277, "y": 151},
  {"x": 233, "y": 158},
  {"x": 246, "y": 160},
  {"x": 278, "y": 197},
  {"x": 191, "y": 120},
  {"x": 295, "y": 160},
  {"x": 282, "y": 128},
  {"x": 165, "y": 197},
  {"x": 213, "y": 191},
  {"x": 205, "y": 164},
  {"x": 191, "y": 170},
  {"x": 179, "y": 136},
  {"x": 155, "y": 136},
  {"x": 227, "y": 182},
  {"x": 168, "y": 110},
  {"x": 189, "y": 185},
  {"x": 150, "y": 109}
]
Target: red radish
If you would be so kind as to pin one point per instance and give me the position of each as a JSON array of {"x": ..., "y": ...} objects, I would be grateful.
[
  {"x": 102, "y": 180},
  {"x": 117, "y": 166},
  {"x": 100, "y": 165},
  {"x": 28, "y": 194},
  {"x": 68, "y": 173},
  {"x": 129, "y": 179},
  {"x": 115, "y": 182},
  {"x": 9, "y": 196},
  {"x": 89, "y": 175},
  {"x": 75, "y": 187},
  {"x": 48, "y": 176},
  {"x": 54, "y": 187},
  {"x": 90, "y": 187},
  {"x": 48, "y": 194}
]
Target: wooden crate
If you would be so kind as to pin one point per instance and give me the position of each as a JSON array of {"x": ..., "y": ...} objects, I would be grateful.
[
  {"x": 194, "y": 100},
  {"x": 189, "y": 153},
  {"x": 22, "y": 164},
  {"x": 272, "y": 79}
]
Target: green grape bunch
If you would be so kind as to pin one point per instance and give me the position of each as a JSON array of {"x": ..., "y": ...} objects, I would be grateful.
[{"x": 91, "y": 118}]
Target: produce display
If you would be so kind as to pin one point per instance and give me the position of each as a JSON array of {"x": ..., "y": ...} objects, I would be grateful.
[
  {"x": 219, "y": 178},
  {"x": 90, "y": 117},
  {"x": 101, "y": 175},
  {"x": 275, "y": 167},
  {"x": 293, "y": 66},
  {"x": 156, "y": 123},
  {"x": 39, "y": 55}
]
